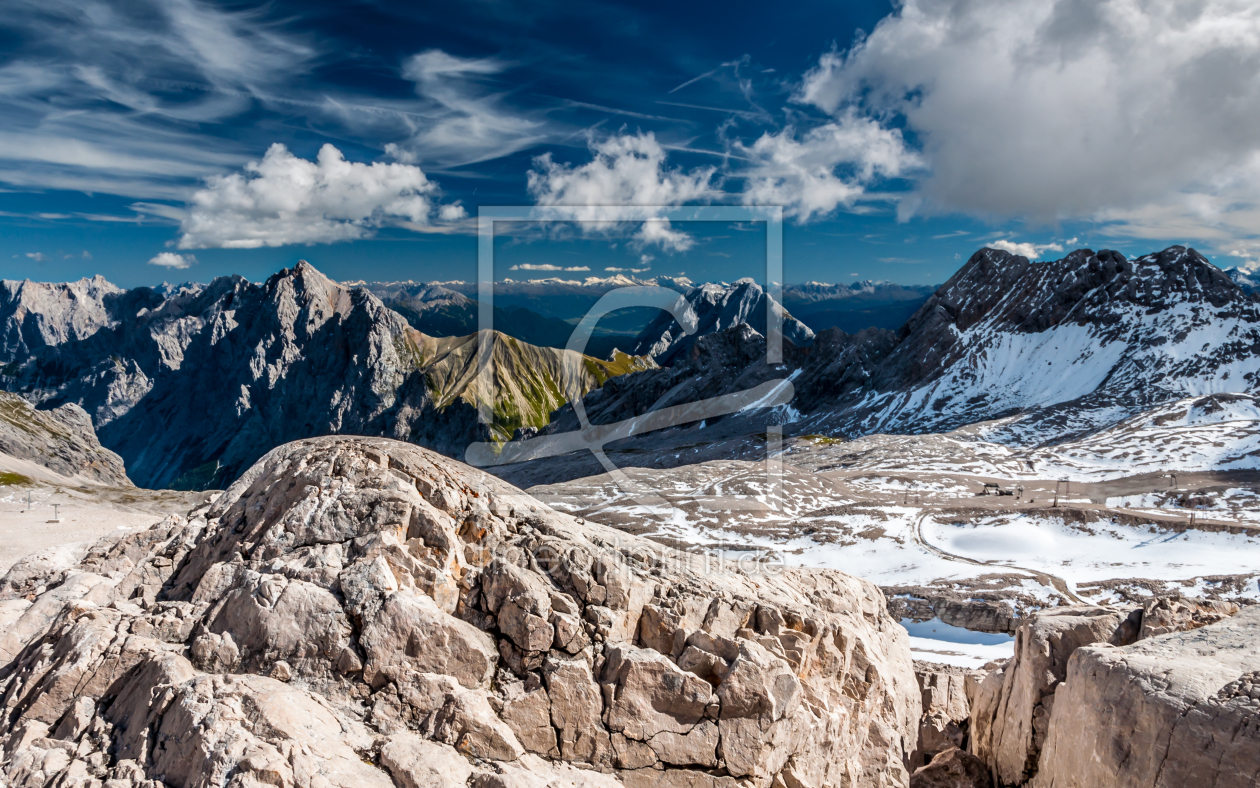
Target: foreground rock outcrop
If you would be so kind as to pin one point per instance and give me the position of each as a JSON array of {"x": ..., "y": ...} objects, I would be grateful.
[
  {"x": 361, "y": 612},
  {"x": 1011, "y": 708},
  {"x": 1178, "y": 709},
  {"x": 1162, "y": 695}
]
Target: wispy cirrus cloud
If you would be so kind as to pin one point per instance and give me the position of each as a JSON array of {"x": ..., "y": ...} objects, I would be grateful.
[{"x": 99, "y": 96}]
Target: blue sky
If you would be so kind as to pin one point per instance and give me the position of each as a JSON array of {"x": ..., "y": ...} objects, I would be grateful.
[{"x": 182, "y": 140}]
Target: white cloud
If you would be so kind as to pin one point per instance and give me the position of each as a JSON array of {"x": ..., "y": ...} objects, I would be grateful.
[
  {"x": 284, "y": 199},
  {"x": 452, "y": 212},
  {"x": 827, "y": 167},
  {"x": 626, "y": 270},
  {"x": 37, "y": 256},
  {"x": 1248, "y": 257},
  {"x": 547, "y": 267},
  {"x": 172, "y": 260},
  {"x": 1029, "y": 250},
  {"x": 1139, "y": 114},
  {"x": 625, "y": 170}
]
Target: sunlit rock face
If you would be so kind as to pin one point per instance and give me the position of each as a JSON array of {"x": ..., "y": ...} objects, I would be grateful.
[{"x": 359, "y": 611}]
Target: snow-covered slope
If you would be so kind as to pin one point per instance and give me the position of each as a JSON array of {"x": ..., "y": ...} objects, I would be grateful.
[
  {"x": 1084, "y": 341},
  {"x": 1216, "y": 432}
]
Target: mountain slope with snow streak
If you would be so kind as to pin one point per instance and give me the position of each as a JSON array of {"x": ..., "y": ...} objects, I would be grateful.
[
  {"x": 1082, "y": 342},
  {"x": 1214, "y": 432}
]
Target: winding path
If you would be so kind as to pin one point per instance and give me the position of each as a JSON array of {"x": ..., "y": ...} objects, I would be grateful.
[{"x": 1058, "y": 583}]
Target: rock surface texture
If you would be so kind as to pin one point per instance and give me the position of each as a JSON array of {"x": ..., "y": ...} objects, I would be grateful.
[
  {"x": 1011, "y": 707},
  {"x": 61, "y": 440},
  {"x": 952, "y": 768},
  {"x": 1180, "y": 709},
  {"x": 946, "y": 719},
  {"x": 1097, "y": 697},
  {"x": 362, "y": 612}
]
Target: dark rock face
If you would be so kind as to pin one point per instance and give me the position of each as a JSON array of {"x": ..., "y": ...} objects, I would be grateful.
[
  {"x": 953, "y": 768},
  {"x": 61, "y": 440},
  {"x": 718, "y": 307},
  {"x": 720, "y": 363},
  {"x": 1005, "y": 335}
]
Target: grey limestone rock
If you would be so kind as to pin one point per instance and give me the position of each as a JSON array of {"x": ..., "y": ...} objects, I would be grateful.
[{"x": 322, "y": 624}]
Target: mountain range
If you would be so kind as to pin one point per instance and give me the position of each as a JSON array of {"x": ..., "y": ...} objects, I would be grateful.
[
  {"x": 1030, "y": 352},
  {"x": 191, "y": 384},
  {"x": 544, "y": 311}
]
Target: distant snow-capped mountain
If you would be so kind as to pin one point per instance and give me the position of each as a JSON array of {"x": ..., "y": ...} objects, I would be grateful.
[
  {"x": 812, "y": 293},
  {"x": 1247, "y": 280},
  {"x": 717, "y": 307}
]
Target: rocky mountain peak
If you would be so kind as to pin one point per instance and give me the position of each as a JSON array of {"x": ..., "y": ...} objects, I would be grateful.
[
  {"x": 718, "y": 306},
  {"x": 54, "y": 313}
]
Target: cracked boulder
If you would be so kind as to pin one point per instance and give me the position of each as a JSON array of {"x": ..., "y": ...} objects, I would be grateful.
[{"x": 363, "y": 612}]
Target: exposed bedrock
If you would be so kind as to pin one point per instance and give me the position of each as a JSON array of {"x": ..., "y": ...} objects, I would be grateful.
[
  {"x": 360, "y": 612},
  {"x": 1045, "y": 719},
  {"x": 1011, "y": 707},
  {"x": 946, "y": 720},
  {"x": 1179, "y": 709}
]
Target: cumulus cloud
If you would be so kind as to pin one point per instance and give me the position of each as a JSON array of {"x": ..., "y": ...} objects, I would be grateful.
[
  {"x": 827, "y": 167},
  {"x": 1140, "y": 114},
  {"x": 625, "y": 170},
  {"x": 1029, "y": 250},
  {"x": 172, "y": 260},
  {"x": 284, "y": 199},
  {"x": 37, "y": 256},
  {"x": 452, "y": 212},
  {"x": 547, "y": 267}
]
